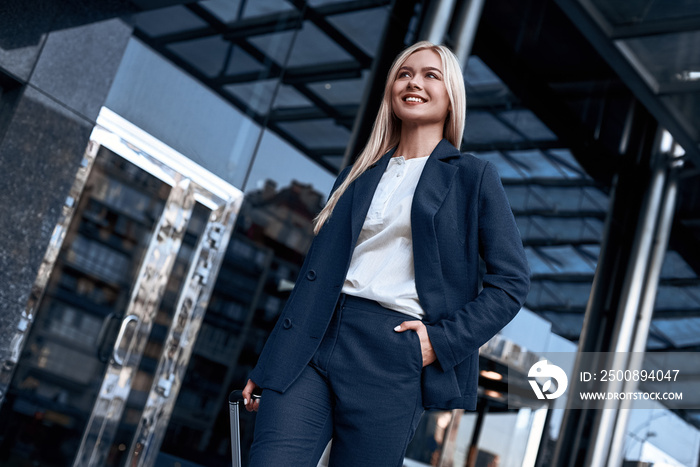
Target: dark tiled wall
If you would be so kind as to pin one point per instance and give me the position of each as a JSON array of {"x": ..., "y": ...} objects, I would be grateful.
[{"x": 57, "y": 60}]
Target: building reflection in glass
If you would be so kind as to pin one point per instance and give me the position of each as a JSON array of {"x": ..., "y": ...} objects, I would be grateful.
[{"x": 272, "y": 235}]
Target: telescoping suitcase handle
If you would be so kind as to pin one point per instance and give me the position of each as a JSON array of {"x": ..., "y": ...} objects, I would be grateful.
[{"x": 234, "y": 399}]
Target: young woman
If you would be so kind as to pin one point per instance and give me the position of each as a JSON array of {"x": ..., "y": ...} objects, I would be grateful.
[{"x": 387, "y": 314}]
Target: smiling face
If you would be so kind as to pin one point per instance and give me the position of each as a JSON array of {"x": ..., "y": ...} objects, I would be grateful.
[{"x": 419, "y": 95}]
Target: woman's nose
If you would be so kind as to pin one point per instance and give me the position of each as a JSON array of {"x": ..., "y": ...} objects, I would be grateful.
[{"x": 414, "y": 83}]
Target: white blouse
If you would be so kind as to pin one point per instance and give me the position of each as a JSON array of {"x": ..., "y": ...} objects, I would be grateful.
[{"x": 381, "y": 268}]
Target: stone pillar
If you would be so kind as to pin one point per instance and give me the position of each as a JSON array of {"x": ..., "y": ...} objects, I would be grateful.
[{"x": 57, "y": 62}]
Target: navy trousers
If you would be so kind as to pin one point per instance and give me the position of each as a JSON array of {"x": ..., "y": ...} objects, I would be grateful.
[{"x": 362, "y": 388}]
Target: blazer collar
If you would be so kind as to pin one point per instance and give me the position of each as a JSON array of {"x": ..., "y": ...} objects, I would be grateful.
[{"x": 444, "y": 150}]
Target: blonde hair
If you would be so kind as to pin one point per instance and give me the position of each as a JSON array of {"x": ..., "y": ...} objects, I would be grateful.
[{"x": 386, "y": 131}]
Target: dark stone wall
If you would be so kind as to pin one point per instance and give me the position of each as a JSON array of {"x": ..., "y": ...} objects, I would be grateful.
[
  {"x": 25, "y": 25},
  {"x": 57, "y": 63}
]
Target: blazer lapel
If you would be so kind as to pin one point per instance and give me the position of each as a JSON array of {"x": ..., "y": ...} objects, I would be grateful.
[
  {"x": 363, "y": 192},
  {"x": 432, "y": 188}
]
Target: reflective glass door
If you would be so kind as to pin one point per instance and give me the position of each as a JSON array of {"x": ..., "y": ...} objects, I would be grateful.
[
  {"x": 106, "y": 343},
  {"x": 81, "y": 315}
]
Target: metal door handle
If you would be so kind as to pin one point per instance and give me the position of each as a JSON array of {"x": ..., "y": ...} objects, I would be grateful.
[{"x": 119, "y": 360}]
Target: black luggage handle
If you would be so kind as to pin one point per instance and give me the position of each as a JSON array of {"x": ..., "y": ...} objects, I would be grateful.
[
  {"x": 234, "y": 402},
  {"x": 237, "y": 396}
]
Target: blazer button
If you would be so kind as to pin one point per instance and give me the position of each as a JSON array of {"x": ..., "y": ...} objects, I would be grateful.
[
  {"x": 311, "y": 275},
  {"x": 287, "y": 323}
]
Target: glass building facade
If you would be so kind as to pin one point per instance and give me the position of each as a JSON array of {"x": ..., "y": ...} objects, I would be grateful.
[{"x": 163, "y": 162}]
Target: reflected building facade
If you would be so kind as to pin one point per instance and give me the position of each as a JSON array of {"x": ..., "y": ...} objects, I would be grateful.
[{"x": 164, "y": 161}]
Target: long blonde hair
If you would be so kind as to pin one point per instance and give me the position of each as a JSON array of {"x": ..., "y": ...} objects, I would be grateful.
[{"x": 386, "y": 131}]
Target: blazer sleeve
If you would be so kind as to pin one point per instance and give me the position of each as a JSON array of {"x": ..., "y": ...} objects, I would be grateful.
[
  {"x": 505, "y": 284},
  {"x": 257, "y": 375}
]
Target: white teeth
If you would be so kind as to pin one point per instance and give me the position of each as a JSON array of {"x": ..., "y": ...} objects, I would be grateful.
[{"x": 413, "y": 99}]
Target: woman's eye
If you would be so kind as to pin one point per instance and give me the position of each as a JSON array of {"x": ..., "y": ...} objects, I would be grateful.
[
  {"x": 431, "y": 75},
  {"x": 404, "y": 74}
]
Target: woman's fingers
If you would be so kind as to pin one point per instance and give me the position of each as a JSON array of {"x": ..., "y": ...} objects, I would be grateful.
[
  {"x": 426, "y": 347},
  {"x": 413, "y": 325},
  {"x": 251, "y": 404}
]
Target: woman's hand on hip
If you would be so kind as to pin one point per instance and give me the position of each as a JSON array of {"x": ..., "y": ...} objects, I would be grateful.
[
  {"x": 426, "y": 347},
  {"x": 251, "y": 404}
]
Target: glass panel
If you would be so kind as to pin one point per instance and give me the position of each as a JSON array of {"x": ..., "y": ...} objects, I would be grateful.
[
  {"x": 279, "y": 165},
  {"x": 667, "y": 56},
  {"x": 343, "y": 91},
  {"x": 529, "y": 125},
  {"x": 479, "y": 77},
  {"x": 288, "y": 96},
  {"x": 167, "y": 21},
  {"x": 241, "y": 61},
  {"x": 567, "y": 162},
  {"x": 537, "y": 266},
  {"x": 317, "y": 134},
  {"x": 311, "y": 47},
  {"x": 560, "y": 229},
  {"x": 675, "y": 267},
  {"x": 315, "y": 3},
  {"x": 208, "y": 54},
  {"x": 671, "y": 297},
  {"x": 226, "y": 10},
  {"x": 568, "y": 325},
  {"x": 567, "y": 260},
  {"x": 557, "y": 199},
  {"x": 681, "y": 332},
  {"x": 170, "y": 105},
  {"x": 482, "y": 127},
  {"x": 536, "y": 164},
  {"x": 266, "y": 7},
  {"x": 258, "y": 95},
  {"x": 563, "y": 295},
  {"x": 57, "y": 380},
  {"x": 506, "y": 168},
  {"x": 620, "y": 12},
  {"x": 363, "y": 27}
]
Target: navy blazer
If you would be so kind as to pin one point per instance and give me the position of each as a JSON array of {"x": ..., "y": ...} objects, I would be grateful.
[{"x": 459, "y": 213}]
